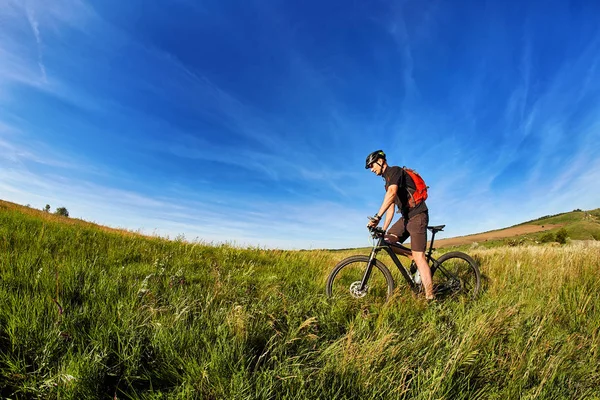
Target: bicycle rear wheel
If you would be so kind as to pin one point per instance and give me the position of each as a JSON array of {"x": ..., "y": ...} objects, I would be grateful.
[
  {"x": 344, "y": 281},
  {"x": 456, "y": 274}
]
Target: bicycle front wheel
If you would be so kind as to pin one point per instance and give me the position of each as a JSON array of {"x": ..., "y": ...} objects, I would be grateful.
[
  {"x": 345, "y": 280},
  {"x": 456, "y": 274}
]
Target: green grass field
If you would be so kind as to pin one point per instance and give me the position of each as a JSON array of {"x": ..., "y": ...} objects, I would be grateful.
[{"x": 88, "y": 312}]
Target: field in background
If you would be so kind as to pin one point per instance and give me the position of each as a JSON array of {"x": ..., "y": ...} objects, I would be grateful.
[
  {"x": 520, "y": 230},
  {"x": 88, "y": 312},
  {"x": 578, "y": 224}
]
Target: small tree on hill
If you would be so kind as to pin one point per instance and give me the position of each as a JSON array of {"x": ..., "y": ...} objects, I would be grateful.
[
  {"x": 47, "y": 208},
  {"x": 62, "y": 211},
  {"x": 561, "y": 236},
  {"x": 547, "y": 237}
]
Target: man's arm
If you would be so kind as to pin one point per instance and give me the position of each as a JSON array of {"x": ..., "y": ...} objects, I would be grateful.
[
  {"x": 389, "y": 215},
  {"x": 388, "y": 200}
]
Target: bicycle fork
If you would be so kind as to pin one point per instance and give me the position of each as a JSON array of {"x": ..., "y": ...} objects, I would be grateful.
[{"x": 367, "y": 274}]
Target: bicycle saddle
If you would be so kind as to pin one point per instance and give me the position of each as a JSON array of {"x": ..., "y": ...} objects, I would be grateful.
[{"x": 436, "y": 228}]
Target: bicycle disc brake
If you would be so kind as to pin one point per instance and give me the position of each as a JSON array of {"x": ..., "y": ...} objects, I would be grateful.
[{"x": 356, "y": 292}]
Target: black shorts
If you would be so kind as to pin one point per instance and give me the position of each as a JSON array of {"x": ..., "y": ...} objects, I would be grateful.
[{"x": 415, "y": 227}]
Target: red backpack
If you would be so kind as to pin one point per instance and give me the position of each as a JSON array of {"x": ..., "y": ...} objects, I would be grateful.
[{"x": 419, "y": 194}]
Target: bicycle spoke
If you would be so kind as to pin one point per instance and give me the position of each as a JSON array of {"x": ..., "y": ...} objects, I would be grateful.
[{"x": 457, "y": 275}]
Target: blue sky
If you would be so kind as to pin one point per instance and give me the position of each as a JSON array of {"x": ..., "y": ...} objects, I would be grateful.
[{"x": 249, "y": 121}]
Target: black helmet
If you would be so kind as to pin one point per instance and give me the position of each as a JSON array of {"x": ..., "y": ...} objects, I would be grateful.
[{"x": 374, "y": 156}]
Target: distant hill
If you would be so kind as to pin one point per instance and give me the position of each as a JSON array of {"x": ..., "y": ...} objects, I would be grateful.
[
  {"x": 579, "y": 224},
  {"x": 50, "y": 216}
]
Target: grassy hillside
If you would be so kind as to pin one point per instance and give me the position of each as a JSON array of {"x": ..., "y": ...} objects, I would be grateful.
[
  {"x": 567, "y": 217},
  {"x": 579, "y": 225},
  {"x": 90, "y": 313}
]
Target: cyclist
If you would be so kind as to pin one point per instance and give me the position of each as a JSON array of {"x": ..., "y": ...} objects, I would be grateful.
[{"x": 414, "y": 220}]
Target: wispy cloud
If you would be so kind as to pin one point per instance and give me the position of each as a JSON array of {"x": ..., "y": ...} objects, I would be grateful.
[
  {"x": 269, "y": 147},
  {"x": 36, "y": 31},
  {"x": 17, "y": 65},
  {"x": 400, "y": 34}
]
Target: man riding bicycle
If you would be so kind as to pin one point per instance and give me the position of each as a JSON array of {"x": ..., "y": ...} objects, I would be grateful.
[{"x": 415, "y": 217}]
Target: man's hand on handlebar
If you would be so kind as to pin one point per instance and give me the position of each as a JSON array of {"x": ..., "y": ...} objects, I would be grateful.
[
  {"x": 373, "y": 228},
  {"x": 374, "y": 221}
]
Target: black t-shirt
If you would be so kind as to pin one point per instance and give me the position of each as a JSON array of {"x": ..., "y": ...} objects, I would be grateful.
[{"x": 397, "y": 176}]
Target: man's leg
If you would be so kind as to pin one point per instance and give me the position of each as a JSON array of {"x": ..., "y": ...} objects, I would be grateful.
[
  {"x": 425, "y": 272},
  {"x": 398, "y": 233},
  {"x": 417, "y": 227}
]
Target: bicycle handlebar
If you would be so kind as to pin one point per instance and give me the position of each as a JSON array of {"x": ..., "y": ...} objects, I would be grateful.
[{"x": 376, "y": 232}]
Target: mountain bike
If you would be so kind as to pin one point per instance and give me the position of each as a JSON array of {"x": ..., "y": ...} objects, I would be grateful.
[{"x": 454, "y": 274}]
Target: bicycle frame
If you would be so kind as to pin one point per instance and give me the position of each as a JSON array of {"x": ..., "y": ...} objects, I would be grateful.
[{"x": 382, "y": 244}]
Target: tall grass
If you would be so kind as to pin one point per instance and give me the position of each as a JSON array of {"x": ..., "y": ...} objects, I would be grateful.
[{"x": 88, "y": 313}]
